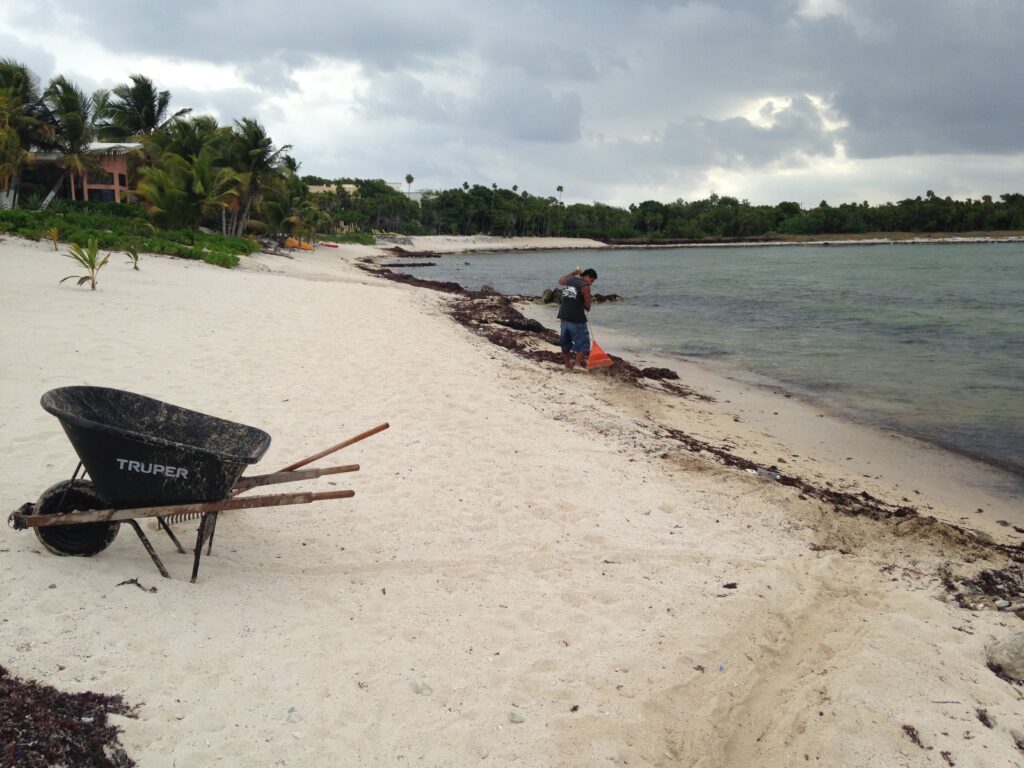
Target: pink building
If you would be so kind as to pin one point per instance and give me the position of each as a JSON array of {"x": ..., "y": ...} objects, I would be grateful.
[{"x": 109, "y": 182}]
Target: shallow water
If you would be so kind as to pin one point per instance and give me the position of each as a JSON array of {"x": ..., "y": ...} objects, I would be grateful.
[{"x": 925, "y": 339}]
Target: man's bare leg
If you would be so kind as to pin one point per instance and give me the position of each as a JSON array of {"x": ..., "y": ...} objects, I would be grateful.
[
  {"x": 579, "y": 358},
  {"x": 567, "y": 358}
]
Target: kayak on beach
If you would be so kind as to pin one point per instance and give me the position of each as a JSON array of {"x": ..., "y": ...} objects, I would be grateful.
[{"x": 291, "y": 242}]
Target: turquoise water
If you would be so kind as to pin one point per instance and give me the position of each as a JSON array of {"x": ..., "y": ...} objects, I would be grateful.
[{"x": 925, "y": 339}]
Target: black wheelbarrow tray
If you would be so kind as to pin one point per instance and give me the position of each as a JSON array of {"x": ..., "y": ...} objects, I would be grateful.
[{"x": 146, "y": 458}]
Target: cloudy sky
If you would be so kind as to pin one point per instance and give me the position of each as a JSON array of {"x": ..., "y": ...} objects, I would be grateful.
[{"x": 618, "y": 101}]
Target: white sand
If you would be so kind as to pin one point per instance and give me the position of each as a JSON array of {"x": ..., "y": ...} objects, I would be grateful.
[
  {"x": 516, "y": 545},
  {"x": 460, "y": 243}
]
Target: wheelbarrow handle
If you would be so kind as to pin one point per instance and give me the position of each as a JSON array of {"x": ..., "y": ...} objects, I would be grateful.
[
  {"x": 245, "y": 483},
  {"x": 333, "y": 448},
  {"x": 21, "y": 520}
]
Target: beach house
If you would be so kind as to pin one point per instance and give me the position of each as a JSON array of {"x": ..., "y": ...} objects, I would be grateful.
[{"x": 106, "y": 181}]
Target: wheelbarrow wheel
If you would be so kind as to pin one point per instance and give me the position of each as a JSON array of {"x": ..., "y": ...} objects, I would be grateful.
[{"x": 80, "y": 539}]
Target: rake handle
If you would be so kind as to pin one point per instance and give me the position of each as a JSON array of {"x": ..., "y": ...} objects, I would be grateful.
[{"x": 338, "y": 447}]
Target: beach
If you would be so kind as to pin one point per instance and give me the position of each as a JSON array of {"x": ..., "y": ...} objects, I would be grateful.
[{"x": 534, "y": 568}]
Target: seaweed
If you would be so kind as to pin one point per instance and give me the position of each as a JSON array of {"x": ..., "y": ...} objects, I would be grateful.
[{"x": 41, "y": 726}]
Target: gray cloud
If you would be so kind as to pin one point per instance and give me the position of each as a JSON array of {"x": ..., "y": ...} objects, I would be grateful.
[
  {"x": 226, "y": 105},
  {"x": 380, "y": 35},
  {"x": 40, "y": 62},
  {"x": 926, "y": 77},
  {"x": 507, "y": 106},
  {"x": 512, "y": 106},
  {"x": 597, "y": 92}
]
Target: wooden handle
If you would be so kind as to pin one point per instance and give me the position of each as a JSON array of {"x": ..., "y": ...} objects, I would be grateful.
[
  {"x": 251, "y": 502},
  {"x": 245, "y": 483},
  {"x": 338, "y": 447}
]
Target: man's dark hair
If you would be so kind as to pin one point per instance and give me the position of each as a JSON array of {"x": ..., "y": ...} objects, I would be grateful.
[{"x": 589, "y": 273}]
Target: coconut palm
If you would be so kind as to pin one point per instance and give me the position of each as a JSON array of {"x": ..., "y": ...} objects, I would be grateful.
[
  {"x": 258, "y": 162},
  {"x": 409, "y": 180},
  {"x": 72, "y": 117},
  {"x": 187, "y": 137},
  {"x": 21, "y": 125},
  {"x": 12, "y": 158},
  {"x": 136, "y": 109},
  {"x": 89, "y": 259},
  {"x": 163, "y": 191},
  {"x": 182, "y": 192}
]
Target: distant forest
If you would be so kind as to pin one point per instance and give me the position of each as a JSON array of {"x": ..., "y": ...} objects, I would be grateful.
[{"x": 476, "y": 209}]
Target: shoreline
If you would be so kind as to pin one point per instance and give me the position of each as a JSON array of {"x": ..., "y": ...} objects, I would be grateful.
[
  {"x": 781, "y": 423},
  {"x": 519, "y": 576},
  {"x": 742, "y": 378},
  {"x": 813, "y": 424}
]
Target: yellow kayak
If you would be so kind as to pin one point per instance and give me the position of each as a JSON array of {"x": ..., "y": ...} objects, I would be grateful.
[{"x": 291, "y": 242}]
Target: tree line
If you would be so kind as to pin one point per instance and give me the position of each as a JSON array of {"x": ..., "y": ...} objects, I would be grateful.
[{"x": 477, "y": 209}]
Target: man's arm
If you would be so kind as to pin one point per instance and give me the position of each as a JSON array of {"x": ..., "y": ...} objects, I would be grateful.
[
  {"x": 586, "y": 297},
  {"x": 565, "y": 278}
]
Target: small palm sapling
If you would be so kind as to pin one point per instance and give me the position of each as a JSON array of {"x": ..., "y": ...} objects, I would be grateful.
[{"x": 89, "y": 259}]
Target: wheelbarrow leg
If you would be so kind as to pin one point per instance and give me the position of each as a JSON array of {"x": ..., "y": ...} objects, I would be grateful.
[
  {"x": 213, "y": 530},
  {"x": 149, "y": 548},
  {"x": 206, "y": 528},
  {"x": 73, "y": 478},
  {"x": 169, "y": 532}
]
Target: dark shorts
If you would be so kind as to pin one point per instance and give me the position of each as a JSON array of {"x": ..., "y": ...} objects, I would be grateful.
[{"x": 575, "y": 337}]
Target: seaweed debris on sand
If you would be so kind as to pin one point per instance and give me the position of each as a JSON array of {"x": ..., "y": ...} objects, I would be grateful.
[
  {"x": 41, "y": 726},
  {"x": 494, "y": 316}
]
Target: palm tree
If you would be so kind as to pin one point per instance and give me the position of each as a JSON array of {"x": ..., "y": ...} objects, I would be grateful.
[
  {"x": 136, "y": 109},
  {"x": 409, "y": 180},
  {"x": 215, "y": 189},
  {"x": 72, "y": 118},
  {"x": 89, "y": 259},
  {"x": 187, "y": 137},
  {"x": 258, "y": 162},
  {"x": 163, "y": 190},
  {"x": 12, "y": 158},
  {"x": 559, "y": 190},
  {"x": 183, "y": 192},
  {"x": 21, "y": 125}
]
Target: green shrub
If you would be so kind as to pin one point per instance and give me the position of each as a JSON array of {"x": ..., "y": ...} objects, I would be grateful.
[
  {"x": 218, "y": 259},
  {"x": 120, "y": 227}
]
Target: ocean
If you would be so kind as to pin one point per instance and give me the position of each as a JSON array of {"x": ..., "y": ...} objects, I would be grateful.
[{"x": 924, "y": 339}]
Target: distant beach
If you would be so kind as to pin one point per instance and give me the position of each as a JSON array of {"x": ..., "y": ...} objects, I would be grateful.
[{"x": 538, "y": 567}]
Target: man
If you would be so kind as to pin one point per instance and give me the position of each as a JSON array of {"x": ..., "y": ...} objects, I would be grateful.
[{"x": 575, "y": 336}]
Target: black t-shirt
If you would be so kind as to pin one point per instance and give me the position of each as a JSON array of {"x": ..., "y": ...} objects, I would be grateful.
[{"x": 572, "y": 309}]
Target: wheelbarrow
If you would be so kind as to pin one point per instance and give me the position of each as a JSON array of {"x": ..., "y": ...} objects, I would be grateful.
[{"x": 148, "y": 459}]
